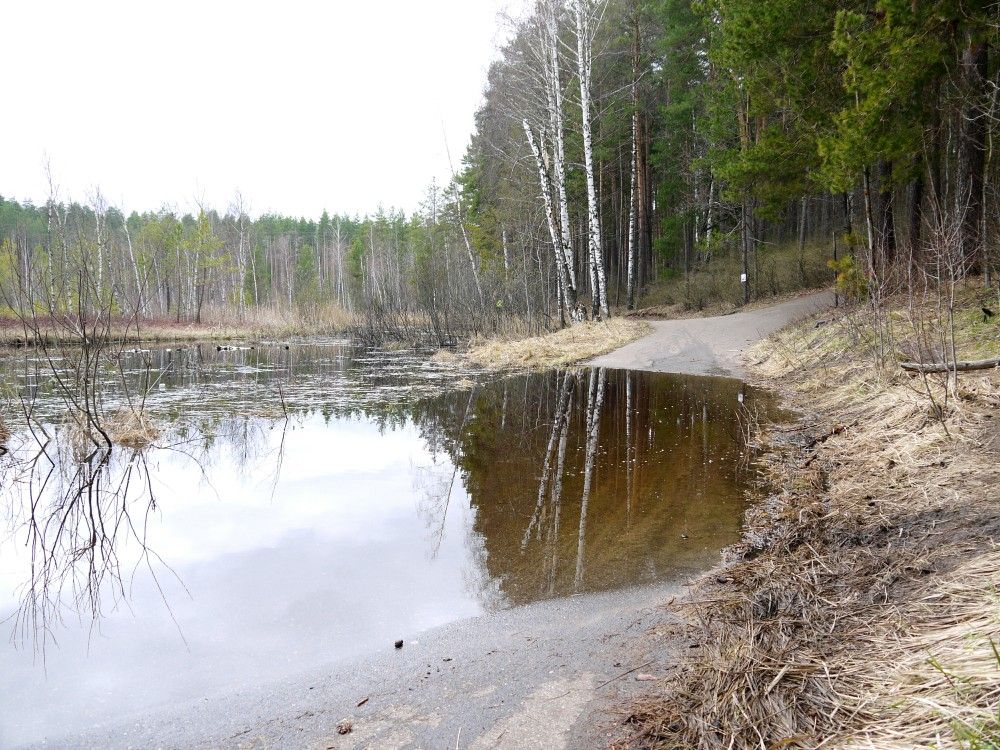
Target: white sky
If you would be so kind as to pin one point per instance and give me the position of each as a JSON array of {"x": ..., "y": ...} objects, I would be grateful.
[{"x": 299, "y": 105}]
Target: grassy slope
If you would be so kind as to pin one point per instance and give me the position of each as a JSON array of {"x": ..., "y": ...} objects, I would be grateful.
[
  {"x": 560, "y": 348},
  {"x": 860, "y": 610}
]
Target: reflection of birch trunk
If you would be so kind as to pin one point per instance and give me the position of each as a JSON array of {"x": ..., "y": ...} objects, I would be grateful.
[
  {"x": 628, "y": 448},
  {"x": 557, "y": 487},
  {"x": 558, "y": 420},
  {"x": 595, "y": 400},
  {"x": 451, "y": 484}
]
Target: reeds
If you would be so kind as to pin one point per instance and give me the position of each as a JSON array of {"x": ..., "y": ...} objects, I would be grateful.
[
  {"x": 861, "y": 608},
  {"x": 219, "y": 325}
]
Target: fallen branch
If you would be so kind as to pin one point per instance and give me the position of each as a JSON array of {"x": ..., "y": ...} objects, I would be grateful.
[{"x": 975, "y": 364}]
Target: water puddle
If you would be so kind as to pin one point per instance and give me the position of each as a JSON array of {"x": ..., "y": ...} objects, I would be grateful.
[{"x": 315, "y": 503}]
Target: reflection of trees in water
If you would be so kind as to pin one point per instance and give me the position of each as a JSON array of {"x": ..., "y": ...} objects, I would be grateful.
[
  {"x": 82, "y": 518},
  {"x": 595, "y": 401},
  {"x": 75, "y": 516},
  {"x": 588, "y": 479}
]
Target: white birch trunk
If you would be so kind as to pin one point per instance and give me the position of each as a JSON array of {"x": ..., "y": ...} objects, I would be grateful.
[
  {"x": 555, "y": 106},
  {"x": 709, "y": 220},
  {"x": 543, "y": 178},
  {"x": 139, "y": 302},
  {"x": 583, "y": 52}
]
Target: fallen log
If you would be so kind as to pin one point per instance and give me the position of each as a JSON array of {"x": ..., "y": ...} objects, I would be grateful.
[{"x": 974, "y": 364}]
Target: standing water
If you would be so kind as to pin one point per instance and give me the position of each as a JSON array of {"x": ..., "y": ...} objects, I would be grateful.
[{"x": 305, "y": 505}]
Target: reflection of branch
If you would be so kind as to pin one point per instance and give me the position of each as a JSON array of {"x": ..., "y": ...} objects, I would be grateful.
[
  {"x": 437, "y": 490},
  {"x": 451, "y": 484},
  {"x": 595, "y": 401},
  {"x": 78, "y": 516}
]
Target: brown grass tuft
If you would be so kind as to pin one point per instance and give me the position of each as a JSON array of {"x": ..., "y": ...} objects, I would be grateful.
[
  {"x": 560, "y": 348},
  {"x": 861, "y": 608},
  {"x": 132, "y": 429},
  {"x": 128, "y": 428}
]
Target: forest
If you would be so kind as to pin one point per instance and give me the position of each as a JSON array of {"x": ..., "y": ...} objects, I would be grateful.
[{"x": 626, "y": 152}]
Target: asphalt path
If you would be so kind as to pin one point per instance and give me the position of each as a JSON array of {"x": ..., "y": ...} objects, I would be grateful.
[{"x": 709, "y": 346}]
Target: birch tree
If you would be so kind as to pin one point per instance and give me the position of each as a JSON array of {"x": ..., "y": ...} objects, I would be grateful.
[
  {"x": 550, "y": 10},
  {"x": 562, "y": 262},
  {"x": 583, "y": 11}
]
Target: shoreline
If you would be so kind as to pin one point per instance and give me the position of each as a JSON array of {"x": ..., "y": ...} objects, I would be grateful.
[{"x": 856, "y": 610}]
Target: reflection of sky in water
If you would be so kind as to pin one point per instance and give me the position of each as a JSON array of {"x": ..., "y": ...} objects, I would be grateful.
[{"x": 331, "y": 560}]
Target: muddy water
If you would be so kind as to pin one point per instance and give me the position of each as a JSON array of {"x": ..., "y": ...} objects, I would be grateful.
[{"x": 309, "y": 504}]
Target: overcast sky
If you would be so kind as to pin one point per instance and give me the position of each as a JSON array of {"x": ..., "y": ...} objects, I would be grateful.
[{"x": 299, "y": 105}]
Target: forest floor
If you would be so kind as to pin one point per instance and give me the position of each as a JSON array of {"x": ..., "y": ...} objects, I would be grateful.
[
  {"x": 656, "y": 309},
  {"x": 861, "y": 607}
]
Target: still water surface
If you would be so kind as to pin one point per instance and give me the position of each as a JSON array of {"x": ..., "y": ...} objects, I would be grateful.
[{"x": 307, "y": 505}]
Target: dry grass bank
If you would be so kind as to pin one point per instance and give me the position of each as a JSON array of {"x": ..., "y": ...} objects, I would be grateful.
[
  {"x": 862, "y": 608},
  {"x": 218, "y": 326},
  {"x": 556, "y": 349}
]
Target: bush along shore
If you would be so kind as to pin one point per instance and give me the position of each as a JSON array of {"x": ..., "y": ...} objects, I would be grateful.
[{"x": 862, "y": 606}]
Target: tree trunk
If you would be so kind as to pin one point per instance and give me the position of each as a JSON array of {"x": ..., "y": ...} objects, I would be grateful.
[
  {"x": 562, "y": 266},
  {"x": 887, "y": 221},
  {"x": 555, "y": 107},
  {"x": 972, "y": 149},
  {"x": 583, "y": 51}
]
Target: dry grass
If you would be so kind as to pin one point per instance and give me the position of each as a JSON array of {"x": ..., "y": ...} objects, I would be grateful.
[
  {"x": 861, "y": 609},
  {"x": 557, "y": 349},
  {"x": 128, "y": 428},
  {"x": 219, "y": 325},
  {"x": 131, "y": 429},
  {"x": 4, "y": 432}
]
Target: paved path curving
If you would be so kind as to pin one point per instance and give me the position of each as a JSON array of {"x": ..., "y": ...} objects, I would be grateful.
[{"x": 709, "y": 346}]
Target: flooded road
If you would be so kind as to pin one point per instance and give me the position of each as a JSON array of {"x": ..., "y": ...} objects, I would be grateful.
[{"x": 308, "y": 504}]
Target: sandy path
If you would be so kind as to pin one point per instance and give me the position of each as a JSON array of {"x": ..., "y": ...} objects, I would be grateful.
[{"x": 709, "y": 346}]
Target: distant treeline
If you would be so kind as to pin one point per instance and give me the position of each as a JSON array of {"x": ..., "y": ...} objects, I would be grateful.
[{"x": 620, "y": 141}]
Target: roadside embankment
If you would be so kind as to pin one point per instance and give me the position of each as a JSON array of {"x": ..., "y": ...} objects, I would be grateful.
[{"x": 860, "y": 609}]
